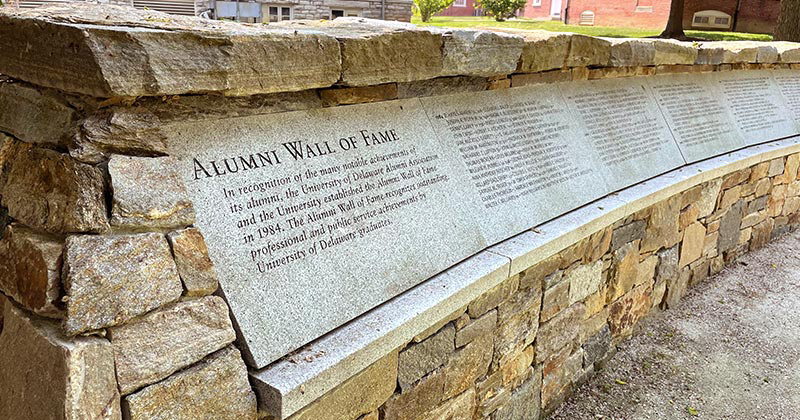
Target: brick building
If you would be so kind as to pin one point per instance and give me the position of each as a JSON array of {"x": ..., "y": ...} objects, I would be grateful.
[
  {"x": 758, "y": 16},
  {"x": 266, "y": 10}
]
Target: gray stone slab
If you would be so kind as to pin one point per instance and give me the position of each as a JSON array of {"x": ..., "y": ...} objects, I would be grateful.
[
  {"x": 304, "y": 244},
  {"x": 756, "y": 105},
  {"x": 628, "y": 138},
  {"x": 521, "y": 155},
  {"x": 788, "y": 82},
  {"x": 696, "y": 114},
  {"x": 290, "y": 384}
]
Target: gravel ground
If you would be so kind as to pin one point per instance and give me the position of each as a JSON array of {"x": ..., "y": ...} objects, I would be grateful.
[{"x": 730, "y": 350}]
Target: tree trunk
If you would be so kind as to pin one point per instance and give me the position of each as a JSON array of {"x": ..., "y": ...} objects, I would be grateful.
[
  {"x": 674, "y": 27},
  {"x": 789, "y": 21}
]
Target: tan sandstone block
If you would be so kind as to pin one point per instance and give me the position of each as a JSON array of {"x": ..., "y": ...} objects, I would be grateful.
[
  {"x": 216, "y": 388},
  {"x": 469, "y": 52},
  {"x": 153, "y": 347},
  {"x": 587, "y": 51},
  {"x": 358, "y": 95},
  {"x": 52, "y": 192},
  {"x": 692, "y": 245},
  {"x": 626, "y": 312},
  {"x": 412, "y": 403},
  {"x": 361, "y": 394},
  {"x": 193, "y": 262},
  {"x": 632, "y": 52},
  {"x": 467, "y": 365},
  {"x": 149, "y": 193},
  {"x": 110, "y": 280},
  {"x": 461, "y": 407},
  {"x": 122, "y": 51},
  {"x": 542, "y": 51},
  {"x": 789, "y": 52},
  {"x": 35, "y": 116},
  {"x": 30, "y": 270},
  {"x": 375, "y": 51},
  {"x": 46, "y": 375}
]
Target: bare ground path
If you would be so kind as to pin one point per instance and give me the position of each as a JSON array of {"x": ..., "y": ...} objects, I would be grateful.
[{"x": 730, "y": 350}]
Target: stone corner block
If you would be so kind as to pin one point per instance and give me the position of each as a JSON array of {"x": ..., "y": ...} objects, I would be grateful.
[
  {"x": 194, "y": 264},
  {"x": 148, "y": 193},
  {"x": 788, "y": 52},
  {"x": 632, "y": 52},
  {"x": 52, "y": 192},
  {"x": 728, "y": 52},
  {"x": 586, "y": 51},
  {"x": 122, "y": 51},
  {"x": 46, "y": 375},
  {"x": 153, "y": 347},
  {"x": 112, "y": 279},
  {"x": 215, "y": 388}
]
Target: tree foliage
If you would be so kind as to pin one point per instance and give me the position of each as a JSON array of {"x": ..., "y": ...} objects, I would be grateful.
[
  {"x": 428, "y": 8},
  {"x": 502, "y": 9},
  {"x": 789, "y": 21}
]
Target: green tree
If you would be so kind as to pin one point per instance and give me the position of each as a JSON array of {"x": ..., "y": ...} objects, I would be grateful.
[
  {"x": 501, "y": 9},
  {"x": 789, "y": 22},
  {"x": 428, "y": 8}
]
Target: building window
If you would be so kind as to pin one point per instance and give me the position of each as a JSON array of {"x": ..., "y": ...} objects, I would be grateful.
[
  {"x": 537, "y": 3},
  {"x": 711, "y": 19},
  {"x": 335, "y": 13},
  {"x": 460, "y": 3},
  {"x": 279, "y": 13}
]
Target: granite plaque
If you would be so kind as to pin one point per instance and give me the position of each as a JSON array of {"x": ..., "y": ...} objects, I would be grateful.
[
  {"x": 756, "y": 105},
  {"x": 696, "y": 114},
  {"x": 788, "y": 82},
  {"x": 314, "y": 217},
  {"x": 626, "y": 135},
  {"x": 521, "y": 154}
]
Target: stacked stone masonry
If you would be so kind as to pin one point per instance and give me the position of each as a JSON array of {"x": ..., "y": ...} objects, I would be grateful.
[{"x": 109, "y": 306}]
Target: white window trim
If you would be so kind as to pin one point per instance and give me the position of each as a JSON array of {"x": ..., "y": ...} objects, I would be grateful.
[
  {"x": 537, "y": 3},
  {"x": 712, "y": 16},
  {"x": 460, "y": 3}
]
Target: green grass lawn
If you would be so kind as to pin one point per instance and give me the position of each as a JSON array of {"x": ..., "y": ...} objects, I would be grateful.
[{"x": 469, "y": 22}]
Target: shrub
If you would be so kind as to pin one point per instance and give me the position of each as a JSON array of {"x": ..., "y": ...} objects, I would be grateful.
[
  {"x": 501, "y": 9},
  {"x": 428, "y": 8}
]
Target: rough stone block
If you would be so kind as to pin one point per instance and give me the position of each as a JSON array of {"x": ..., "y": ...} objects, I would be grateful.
[
  {"x": 667, "y": 264},
  {"x": 45, "y": 375},
  {"x": 109, "y": 280},
  {"x": 597, "y": 348},
  {"x": 672, "y": 52},
  {"x": 153, "y": 347},
  {"x": 478, "y": 53},
  {"x": 52, "y": 192},
  {"x": 729, "y": 227},
  {"x": 375, "y": 52},
  {"x": 624, "y": 270},
  {"x": 662, "y": 225},
  {"x": 493, "y": 297},
  {"x": 692, "y": 246},
  {"x": 461, "y": 407},
  {"x": 676, "y": 288},
  {"x": 216, "y": 388},
  {"x": 555, "y": 298},
  {"x": 484, "y": 325},
  {"x": 149, "y": 193},
  {"x": 30, "y": 270},
  {"x": 121, "y": 51},
  {"x": 632, "y": 52},
  {"x": 517, "y": 323},
  {"x": 35, "y": 116},
  {"x": 627, "y": 310},
  {"x": 559, "y": 331},
  {"x": 467, "y": 365},
  {"x": 194, "y": 265},
  {"x": 788, "y": 52},
  {"x": 361, "y": 394},
  {"x": 627, "y": 233},
  {"x": 584, "y": 280},
  {"x": 585, "y": 51},
  {"x": 525, "y": 401},
  {"x": 543, "y": 50},
  {"x": 411, "y": 404},
  {"x": 728, "y": 52},
  {"x": 420, "y": 359}
]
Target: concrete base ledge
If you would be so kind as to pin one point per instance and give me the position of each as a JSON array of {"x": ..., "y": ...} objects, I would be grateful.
[{"x": 287, "y": 386}]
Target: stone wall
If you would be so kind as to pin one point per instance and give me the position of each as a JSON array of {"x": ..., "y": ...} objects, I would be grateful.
[{"x": 111, "y": 307}]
